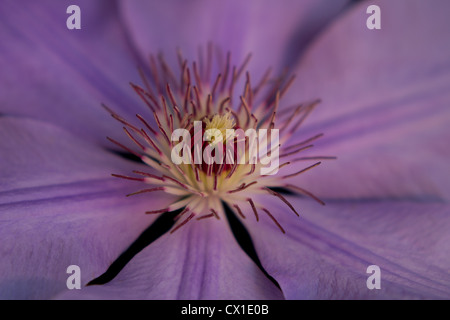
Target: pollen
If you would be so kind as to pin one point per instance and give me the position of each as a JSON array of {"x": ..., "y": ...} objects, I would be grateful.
[{"x": 221, "y": 123}]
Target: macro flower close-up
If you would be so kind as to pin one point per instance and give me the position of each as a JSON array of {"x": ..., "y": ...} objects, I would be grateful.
[{"x": 224, "y": 150}]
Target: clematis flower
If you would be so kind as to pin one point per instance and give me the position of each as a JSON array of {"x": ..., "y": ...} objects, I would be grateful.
[{"x": 383, "y": 113}]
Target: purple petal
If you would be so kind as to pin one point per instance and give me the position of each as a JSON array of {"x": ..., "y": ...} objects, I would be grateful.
[
  {"x": 202, "y": 260},
  {"x": 326, "y": 252},
  {"x": 62, "y": 76},
  {"x": 385, "y": 103},
  {"x": 60, "y": 206},
  {"x": 274, "y": 31}
]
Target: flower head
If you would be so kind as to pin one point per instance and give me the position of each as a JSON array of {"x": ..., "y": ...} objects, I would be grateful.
[
  {"x": 384, "y": 110},
  {"x": 230, "y": 138}
]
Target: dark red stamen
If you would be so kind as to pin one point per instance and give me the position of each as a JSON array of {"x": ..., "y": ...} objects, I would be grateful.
[
  {"x": 306, "y": 192},
  {"x": 146, "y": 190},
  {"x": 127, "y": 178},
  {"x": 158, "y": 211},
  {"x": 125, "y": 148},
  {"x": 183, "y": 223},
  {"x": 274, "y": 220},
  {"x": 239, "y": 211},
  {"x": 276, "y": 194},
  {"x": 252, "y": 204},
  {"x": 301, "y": 171}
]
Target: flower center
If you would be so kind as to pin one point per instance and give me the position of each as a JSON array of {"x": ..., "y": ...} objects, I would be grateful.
[
  {"x": 210, "y": 144},
  {"x": 213, "y": 146},
  {"x": 221, "y": 123}
]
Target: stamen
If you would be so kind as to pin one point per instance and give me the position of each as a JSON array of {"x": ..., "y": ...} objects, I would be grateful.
[
  {"x": 232, "y": 83},
  {"x": 147, "y": 125},
  {"x": 248, "y": 87},
  {"x": 211, "y": 215},
  {"x": 262, "y": 82},
  {"x": 274, "y": 220},
  {"x": 194, "y": 107},
  {"x": 166, "y": 114},
  {"x": 301, "y": 171},
  {"x": 209, "y": 170},
  {"x": 233, "y": 169},
  {"x": 127, "y": 178},
  {"x": 183, "y": 174},
  {"x": 314, "y": 158},
  {"x": 178, "y": 216},
  {"x": 183, "y": 65},
  {"x": 197, "y": 176},
  {"x": 165, "y": 166},
  {"x": 247, "y": 109},
  {"x": 216, "y": 83},
  {"x": 308, "y": 111},
  {"x": 297, "y": 110},
  {"x": 243, "y": 66},
  {"x": 125, "y": 148},
  {"x": 270, "y": 98},
  {"x": 161, "y": 129},
  {"x": 242, "y": 187},
  {"x": 168, "y": 74},
  {"x": 239, "y": 211},
  {"x": 220, "y": 170},
  {"x": 144, "y": 95},
  {"x": 306, "y": 192},
  {"x": 275, "y": 109},
  {"x": 119, "y": 118},
  {"x": 145, "y": 80},
  {"x": 134, "y": 139},
  {"x": 177, "y": 182},
  {"x": 146, "y": 190},
  {"x": 252, "y": 169},
  {"x": 255, "y": 125},
  {"x": 186, "y": 97},
  {"x": 177, "y": 111},
  {"x": 188, "y": 76},
  {"x": 208, "y": 104},
  {"x": 171, "y": 97},
  {"x": 214, "y": 212},
  {"x": 151, "y": 143},
  {"x": 171, "y": 123},
  {"x": 236, "y": 117},
  {"x": 183, "y": 223},
  {"x": 146, "y": 174},
  {"x": 287, "y": 86},
  {"x": 158, "y": 211},
  {"x": 186, "y": 121},
  {"x": 276, "y": 194},
  {"x": 222, "y": 104},
  {"x": 296, "y": 151},
  {"x": 184, "y": 186},
  {"x": 279, "y": 167},
  {"x": 197, "y": 77},
  {"x": 320, "y": 135},
  {"x": 252, "y": 204}
]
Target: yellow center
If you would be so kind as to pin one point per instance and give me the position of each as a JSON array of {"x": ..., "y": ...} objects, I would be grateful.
[{"x": 221, "y": 123}]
